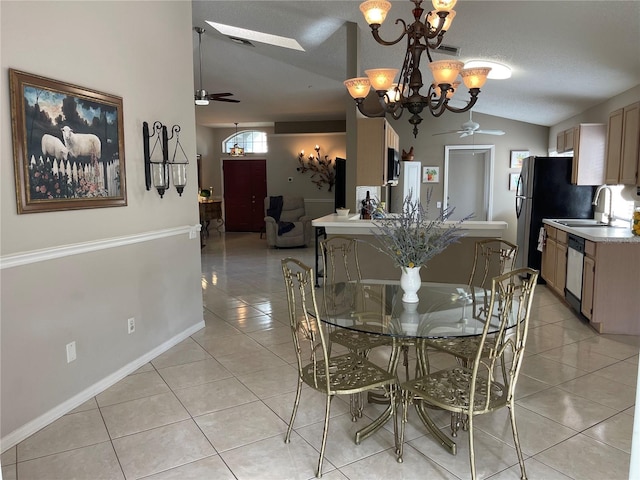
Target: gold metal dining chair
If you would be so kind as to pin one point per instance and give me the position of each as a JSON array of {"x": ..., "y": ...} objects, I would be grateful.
[
  {"x": 346, "y": 374},
  {"x": 341, "y": 266},
  {"x": 493, "y": 257},
  {"x": 475, "y": 390}
]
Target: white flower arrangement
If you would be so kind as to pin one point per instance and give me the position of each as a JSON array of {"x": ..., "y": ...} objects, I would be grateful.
[{"x": 410, "y": 238}]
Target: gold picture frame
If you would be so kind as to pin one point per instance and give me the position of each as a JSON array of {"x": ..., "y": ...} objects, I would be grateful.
[{"x": 68, "y": 145}]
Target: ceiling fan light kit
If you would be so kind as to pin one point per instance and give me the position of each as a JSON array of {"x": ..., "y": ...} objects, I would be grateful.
[{"x": 421, "y": 36}]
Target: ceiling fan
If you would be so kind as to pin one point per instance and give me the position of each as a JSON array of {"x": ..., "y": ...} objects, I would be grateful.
[
  {"x": 471, "y": 128},
  {"x": 201, "y": 96}
]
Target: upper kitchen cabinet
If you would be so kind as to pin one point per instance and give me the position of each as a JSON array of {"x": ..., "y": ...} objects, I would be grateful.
[
  {"x": 587, "y": 142},
  {"x": 375, "y": 137},
  {"x": 588, "y": 154},
  {"x": 623, "y": 146},
  {"x": 564, "y": 141}
]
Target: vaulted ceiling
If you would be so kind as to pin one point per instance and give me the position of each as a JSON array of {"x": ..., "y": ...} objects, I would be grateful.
[{"x": 566, "y": 56}]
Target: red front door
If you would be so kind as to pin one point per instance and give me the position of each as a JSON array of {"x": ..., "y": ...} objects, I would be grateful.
[{"x": 245, "y": 188}]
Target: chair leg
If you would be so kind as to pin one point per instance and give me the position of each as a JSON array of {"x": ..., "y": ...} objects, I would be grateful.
[
  {"x": 472, "y": 454},
  {"x": 355, "y": 406},
  {"x": 324, "y": 435},
  {"x": 296, "y": 402},
  {"x": 455, "y": 423},
  {"x": 516, "y": 439}
]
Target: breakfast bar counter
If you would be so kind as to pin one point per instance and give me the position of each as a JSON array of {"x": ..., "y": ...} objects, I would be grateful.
[
  {"x": 353, "y": 225},
  {"x": 452, "y": 265}
]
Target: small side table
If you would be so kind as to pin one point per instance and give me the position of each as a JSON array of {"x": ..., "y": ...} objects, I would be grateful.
[{"x": 211, "y": 210}]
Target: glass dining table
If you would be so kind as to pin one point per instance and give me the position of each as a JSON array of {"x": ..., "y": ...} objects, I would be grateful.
[{"x": 444, "y": 310}]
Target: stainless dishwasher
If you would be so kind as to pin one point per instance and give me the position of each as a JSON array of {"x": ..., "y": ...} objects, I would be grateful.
[{"x": 575, "y": 263}]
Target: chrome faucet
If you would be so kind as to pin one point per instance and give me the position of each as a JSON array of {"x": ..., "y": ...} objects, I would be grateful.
[{"x": 596, "y": 197}]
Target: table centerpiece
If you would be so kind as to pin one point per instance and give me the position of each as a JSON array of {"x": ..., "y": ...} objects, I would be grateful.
[{"x": 411, "y": 239}]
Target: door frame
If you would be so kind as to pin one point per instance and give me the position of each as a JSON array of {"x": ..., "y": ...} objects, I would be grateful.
[{"x": 488, "y": 173}]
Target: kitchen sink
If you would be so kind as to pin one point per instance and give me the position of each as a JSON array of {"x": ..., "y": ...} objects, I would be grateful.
[
  {"x": 581, "y": 222},
  {"x": 590, "y": 222}
]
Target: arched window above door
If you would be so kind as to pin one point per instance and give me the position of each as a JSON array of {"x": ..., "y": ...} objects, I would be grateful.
[{"x": 253, "y": 141}]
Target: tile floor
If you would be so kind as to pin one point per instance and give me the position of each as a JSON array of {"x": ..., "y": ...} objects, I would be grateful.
[{"x": 216, "y": 406}]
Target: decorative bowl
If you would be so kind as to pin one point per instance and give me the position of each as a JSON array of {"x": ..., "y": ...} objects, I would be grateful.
[{"x": 342, "y": 212}]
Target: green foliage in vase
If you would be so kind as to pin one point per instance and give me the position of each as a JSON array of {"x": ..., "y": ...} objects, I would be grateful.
[{"x": 411, "y": 239}]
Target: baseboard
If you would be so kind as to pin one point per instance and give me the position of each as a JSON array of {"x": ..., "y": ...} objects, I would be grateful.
[{"x": 45, "y": 419}]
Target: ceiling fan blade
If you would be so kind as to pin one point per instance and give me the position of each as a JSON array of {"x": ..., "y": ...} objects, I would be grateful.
[
  {"x": 467, "y": 133},
  {"x": 449, "y": 132},
  {"x": 491, "y": 132},
  {"x": 230, "y": 100},
  {"x": 219, "y": 97}
]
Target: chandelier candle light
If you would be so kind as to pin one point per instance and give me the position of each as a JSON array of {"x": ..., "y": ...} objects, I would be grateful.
[{"x": 421, "y": 36}]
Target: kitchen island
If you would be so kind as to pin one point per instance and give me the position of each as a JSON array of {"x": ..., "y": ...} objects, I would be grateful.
[
  {"x": 453, "y": 265},
  {"x": 608, "y": 274}
]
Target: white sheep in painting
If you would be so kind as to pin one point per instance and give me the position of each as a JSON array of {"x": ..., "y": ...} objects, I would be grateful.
[
  {"x": 85, "y": 144},
  {"x": 53, "y": 147}
]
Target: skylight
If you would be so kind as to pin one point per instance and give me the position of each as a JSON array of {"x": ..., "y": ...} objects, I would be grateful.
[{"x": 255, "y": 36}]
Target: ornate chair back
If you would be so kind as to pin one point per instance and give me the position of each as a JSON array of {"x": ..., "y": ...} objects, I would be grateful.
[
  {"x": 509, "y": 310},
  {"x": 492, "y": 257},
  {"x": 308, "y": 334}
]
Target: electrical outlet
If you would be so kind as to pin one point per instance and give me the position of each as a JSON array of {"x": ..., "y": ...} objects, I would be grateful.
[
  {"x": 131, "y": 325},
  {"x": 192, "y": 233},
  {"x": 71, "y": 352},
  {"x": 438, "y": 204}
]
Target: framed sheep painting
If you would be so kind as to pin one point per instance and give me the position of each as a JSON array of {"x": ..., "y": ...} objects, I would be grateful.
[{"x": 68, "y": 145}]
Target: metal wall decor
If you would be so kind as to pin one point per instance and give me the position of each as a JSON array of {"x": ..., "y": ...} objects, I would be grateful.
[
  {"x": 324, "y": 169},
  {"x": 161, "y": 172}
]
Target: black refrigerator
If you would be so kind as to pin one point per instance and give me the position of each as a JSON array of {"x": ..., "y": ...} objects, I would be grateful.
[{"x": 544, "y": 190}]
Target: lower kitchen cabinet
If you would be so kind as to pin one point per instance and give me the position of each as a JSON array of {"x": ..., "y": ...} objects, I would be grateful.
[
  {"x": 610, "y": 286},
  {"x": 554, "y": 259}
]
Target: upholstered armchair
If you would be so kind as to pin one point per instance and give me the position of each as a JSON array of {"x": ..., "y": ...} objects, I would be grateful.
[{"x": 292, "y": 228}]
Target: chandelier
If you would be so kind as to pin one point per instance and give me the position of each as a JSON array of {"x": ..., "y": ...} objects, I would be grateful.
[
  {"x": 421, "y": 36},
  {"x": 236, "y": 151}
]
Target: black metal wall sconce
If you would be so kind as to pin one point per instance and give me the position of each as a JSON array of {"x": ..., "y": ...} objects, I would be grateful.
[{"x": 157, "y": 172}]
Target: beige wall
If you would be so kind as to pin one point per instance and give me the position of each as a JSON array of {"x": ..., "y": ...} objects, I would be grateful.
[
  {"x": 429, "y": 150},
  {"x": 282, "y": 161},
  {"x": 598, "y": 114},
  {"x": 122, "y": 262}
]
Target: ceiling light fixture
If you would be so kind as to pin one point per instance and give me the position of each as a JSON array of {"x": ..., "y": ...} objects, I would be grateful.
[
  {"x": 406, "y": 93},
  {"x": 201, "y": 95},
  {"x": 236, "y": 151},
  {"x": 498, "y": 71}
]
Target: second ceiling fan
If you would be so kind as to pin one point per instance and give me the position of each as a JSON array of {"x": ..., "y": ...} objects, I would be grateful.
[
  {"x": 471, "y": 128},
  {"x": 201, "y": 96}
]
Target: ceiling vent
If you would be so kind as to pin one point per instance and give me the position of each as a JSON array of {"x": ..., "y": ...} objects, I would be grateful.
[
  {"x": 241, "y": 41},
  {"x": 449, "y": 50}
]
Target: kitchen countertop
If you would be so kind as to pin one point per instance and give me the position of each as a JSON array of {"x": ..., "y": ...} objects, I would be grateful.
[
  {"x": 353, "y": 225},
  {"x": 617, "y": 234}
]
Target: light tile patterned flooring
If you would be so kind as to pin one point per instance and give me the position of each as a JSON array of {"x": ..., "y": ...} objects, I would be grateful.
[{"x": 216, "y": 406}]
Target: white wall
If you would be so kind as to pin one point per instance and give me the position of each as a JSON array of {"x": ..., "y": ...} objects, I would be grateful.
[{"x": 140, "y": 51}]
